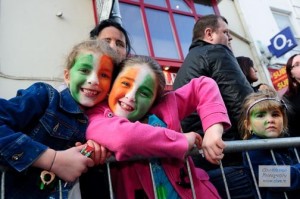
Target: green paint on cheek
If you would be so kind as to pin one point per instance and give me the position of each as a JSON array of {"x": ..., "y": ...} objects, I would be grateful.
[
  {"x": 265, "y": 123},
  {"x": 78, "y": 76},
  {"x": 143, "y": 105},
  {"x": 149, "y": 82},
  {"x": 84, "y": 59}
]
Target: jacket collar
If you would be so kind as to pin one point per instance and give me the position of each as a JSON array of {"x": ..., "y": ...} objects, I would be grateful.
[
  {"x": 68, "y": 103},
  {"x": 201, "y": 43}
]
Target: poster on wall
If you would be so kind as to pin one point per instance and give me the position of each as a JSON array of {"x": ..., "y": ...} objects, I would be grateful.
[
  {"x": 279, "y": 79},
  {"x": 170, "y": 78}
]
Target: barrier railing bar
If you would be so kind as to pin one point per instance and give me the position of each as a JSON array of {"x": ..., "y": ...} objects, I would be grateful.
[
  {"x": 253, "y": 175},
  {"x": 153, "y": 180},
  {"x": 297, "y": 155},
  {"x": 2, "y": 184},
  {"x": 245, "y": 145},
  {"x": 239, "y": 146},
  {"x": 191, "y": 178},
  {"x": 111, "y": 192},
  {"x": 275, "y": 161},
  {"x": 225, "y": 181}
]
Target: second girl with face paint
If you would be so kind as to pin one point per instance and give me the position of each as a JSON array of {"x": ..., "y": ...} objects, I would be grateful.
[
  {"x": 138, "y": 86},
  {"x": 264, "y": 116}
]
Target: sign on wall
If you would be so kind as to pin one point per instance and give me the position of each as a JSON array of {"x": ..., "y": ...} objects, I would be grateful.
[
  {"x": 283, "y": 42},
  {"x": 279, "y": 79}
]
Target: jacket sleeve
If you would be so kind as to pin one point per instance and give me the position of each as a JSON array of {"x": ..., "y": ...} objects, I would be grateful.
[
  {"x": 17, "y": 149},
  {"x": 128, "y": 139},
  {"x": 231, "y": 81},
  {"x": 201, "y": 94},
  {"x": 218, "y": 63}
]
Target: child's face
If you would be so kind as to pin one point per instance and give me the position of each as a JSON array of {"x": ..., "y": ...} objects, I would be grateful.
[
  {"x": 90, "y": 77},
  {"x": 133, "y": 92},
  {"x": 296, "y": 69},
  {"x": 267, "y": 124}
]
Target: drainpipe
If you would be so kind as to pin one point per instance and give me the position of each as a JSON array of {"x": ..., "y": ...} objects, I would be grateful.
[
  {"x": 258, "y": 56},
  {"x": 13, "y": 77}
]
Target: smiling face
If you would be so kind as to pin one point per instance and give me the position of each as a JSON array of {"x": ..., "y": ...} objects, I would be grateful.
[
  {"x": 133, "y": 92},
  {"x": 90, "y": 77},
  {"x": 266, "y": 123}
]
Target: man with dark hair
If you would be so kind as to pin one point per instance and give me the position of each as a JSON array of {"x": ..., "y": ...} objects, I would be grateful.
[{"x": 210, "y": 55}]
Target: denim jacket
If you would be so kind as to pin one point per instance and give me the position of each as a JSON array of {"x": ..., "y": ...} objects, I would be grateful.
[{"x": 37, "y": 118}]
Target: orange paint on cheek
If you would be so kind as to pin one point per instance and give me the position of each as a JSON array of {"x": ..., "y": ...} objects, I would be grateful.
[
  {"x": 118, "y": 90},
  {"x": 106, "y": 66},
  {"x": 105, "y": 60}
]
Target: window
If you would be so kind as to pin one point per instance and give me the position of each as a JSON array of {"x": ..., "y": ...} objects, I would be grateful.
[
  {"x": 161, "y": 34},
  {"x": 133, "y": 23},
  {"x": 163, "y": 28},
  {"x": 184, "y": 26},
  {"x": 204, "y": 7},
  {"x": 283, "y": 21}
]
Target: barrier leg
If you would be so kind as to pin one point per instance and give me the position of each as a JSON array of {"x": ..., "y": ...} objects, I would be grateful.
[{"x": 111, "y": 192}]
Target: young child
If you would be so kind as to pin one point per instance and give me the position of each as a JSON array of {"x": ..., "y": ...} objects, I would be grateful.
[
  {"x": 138, "y": 86},
  {"x": 264, "y": 116},
  {"x": 40, "y": 126}
]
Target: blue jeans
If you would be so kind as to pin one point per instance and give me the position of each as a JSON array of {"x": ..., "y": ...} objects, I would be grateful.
[{"x": 239, "y": 182}]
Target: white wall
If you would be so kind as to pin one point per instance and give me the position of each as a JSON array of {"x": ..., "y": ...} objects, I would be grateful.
[
  {"x": 34, "y": 41},
  {"x": 242, "y": 43}
]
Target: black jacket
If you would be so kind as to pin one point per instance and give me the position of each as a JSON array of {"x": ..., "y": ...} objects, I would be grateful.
[
  {"x": 293, "y": 104},
  {"x": 219, "y": 63}
]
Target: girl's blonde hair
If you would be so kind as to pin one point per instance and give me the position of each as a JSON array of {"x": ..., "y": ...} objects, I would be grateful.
[
  {"x": 96, "y": 46},
  {"x": 264, "y": 100}
]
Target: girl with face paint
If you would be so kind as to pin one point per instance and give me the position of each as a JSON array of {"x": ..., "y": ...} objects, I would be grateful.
[
  {"x": 264, "y": 116},
  {"x": 137, "y": 91},
  {"x": 40, "y": 127}
]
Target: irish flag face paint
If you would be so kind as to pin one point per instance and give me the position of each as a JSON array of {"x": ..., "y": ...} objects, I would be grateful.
[
  {"x": 90, "y": 77},
  {"x": 266, "y": 123},
  {"x": 133, "y": 92}
]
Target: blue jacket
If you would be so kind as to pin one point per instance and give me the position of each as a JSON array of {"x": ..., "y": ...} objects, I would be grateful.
[
  {"x": 283, "y": 156},
  {"x": 37, "y": 118}
]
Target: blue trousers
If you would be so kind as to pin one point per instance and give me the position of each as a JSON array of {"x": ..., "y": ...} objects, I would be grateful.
[{"x": 239, "y": 182}]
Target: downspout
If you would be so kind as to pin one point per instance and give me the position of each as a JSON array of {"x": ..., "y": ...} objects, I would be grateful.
[
  {"x": 13, "y": 77},
  {"x": 257, "y": 55}
]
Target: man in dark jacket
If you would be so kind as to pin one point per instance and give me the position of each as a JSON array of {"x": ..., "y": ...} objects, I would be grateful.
[{"x": 210, "y": 55}]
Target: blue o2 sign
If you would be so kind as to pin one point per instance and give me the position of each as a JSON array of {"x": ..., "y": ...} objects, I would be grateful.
[{"x": 283, "y": 42}]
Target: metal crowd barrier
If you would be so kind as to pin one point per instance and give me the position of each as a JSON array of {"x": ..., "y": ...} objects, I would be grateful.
[{"x": 231, "y": 147}]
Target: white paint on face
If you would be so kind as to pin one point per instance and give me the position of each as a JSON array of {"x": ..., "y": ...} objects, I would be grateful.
[{"x": 133, "y": 92}]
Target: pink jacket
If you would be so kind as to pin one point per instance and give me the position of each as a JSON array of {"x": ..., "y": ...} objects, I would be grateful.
[{"x": 128, "y": 139}]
